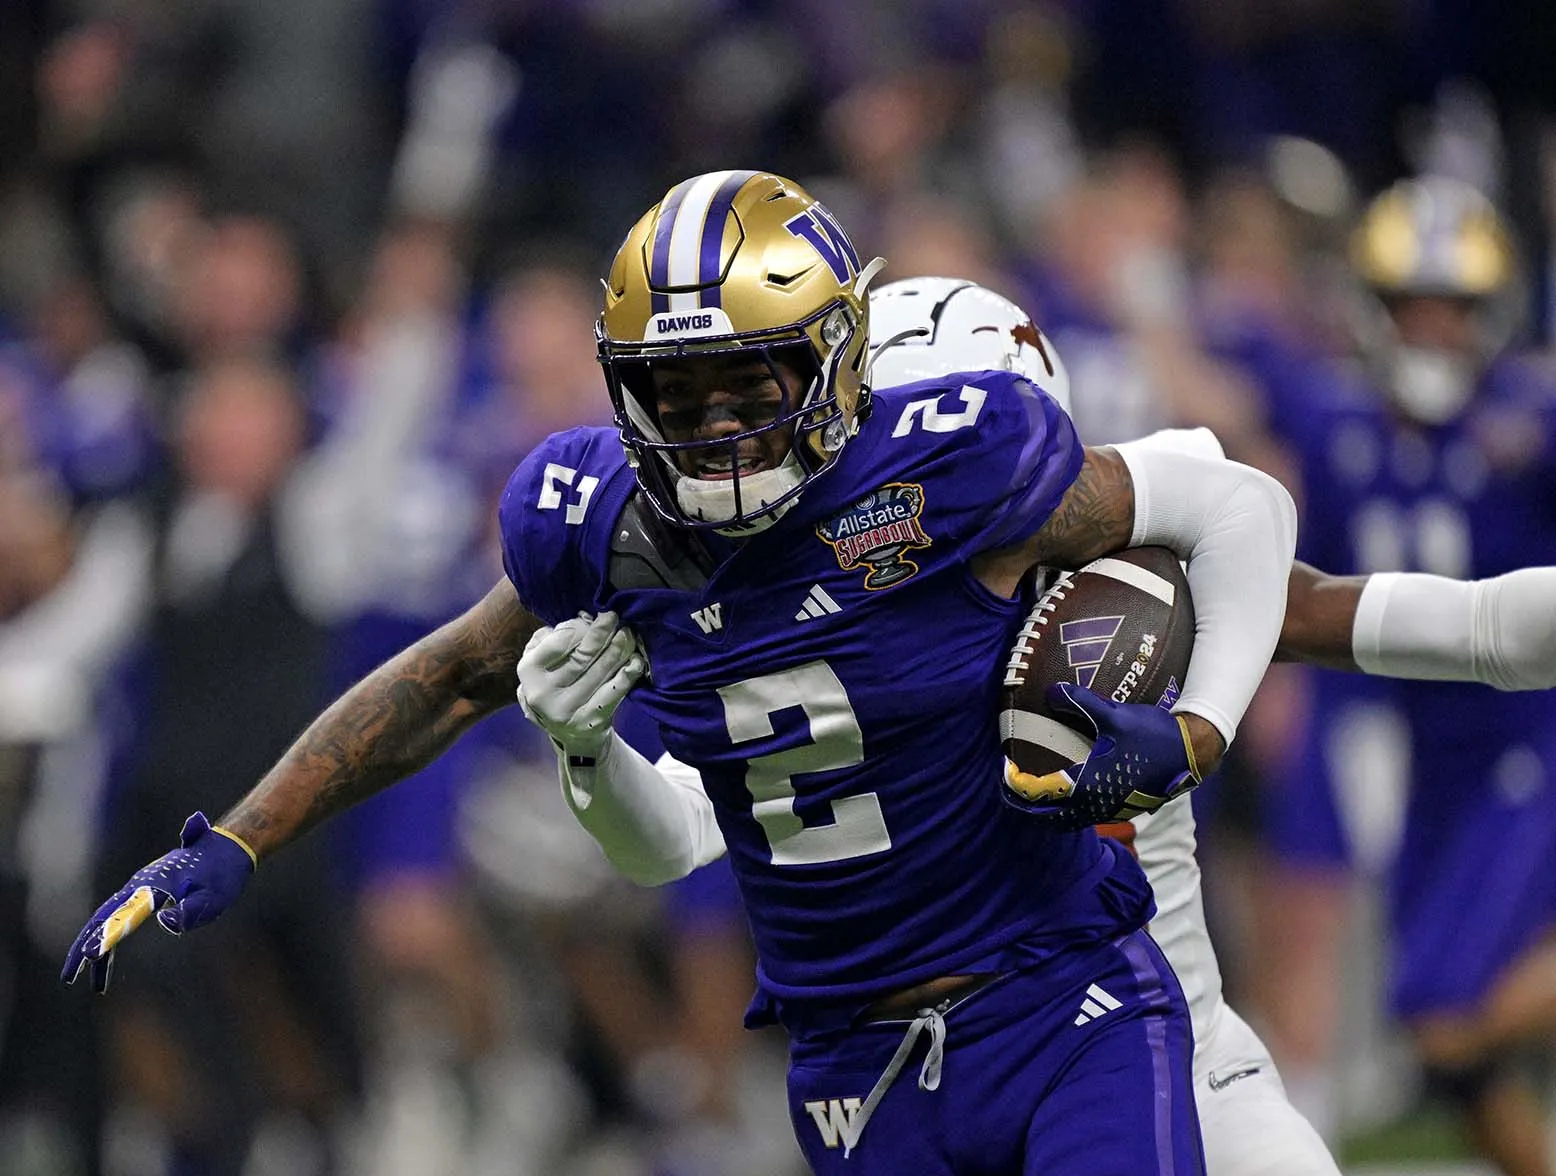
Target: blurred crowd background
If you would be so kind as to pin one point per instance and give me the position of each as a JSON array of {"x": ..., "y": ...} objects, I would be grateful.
[{"x": 287, "y": 288}]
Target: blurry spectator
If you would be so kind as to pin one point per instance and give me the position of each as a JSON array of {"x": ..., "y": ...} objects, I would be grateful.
[
  {"x": 1113, "y": 293},
  {"x": 542, "y": 375},
  {"x": 384, "y": 531},
  {"x": 241, "y": 294},
  {"x": 147, "y": 227},
  {"x": 86, "y": 401},
  {"x": 49, "y": 1107},
  {"x": 1030, "y": 155},
  {"x": 246, "y": 1043},
  {"x": 378, "y": 521},
  {"x": 925, "y": 237},
  {"x": 273, "y": 105},
  {"x": 1272, "y": 281},
  {"x": 76, "y": 433}
]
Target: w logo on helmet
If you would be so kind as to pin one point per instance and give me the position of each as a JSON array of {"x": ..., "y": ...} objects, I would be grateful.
[
  {"x": 1086, "y": 645},
  {"x": 816, "y": 225}
]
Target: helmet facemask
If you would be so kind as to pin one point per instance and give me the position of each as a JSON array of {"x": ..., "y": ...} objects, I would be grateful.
[{"x": 809, "y": 409}]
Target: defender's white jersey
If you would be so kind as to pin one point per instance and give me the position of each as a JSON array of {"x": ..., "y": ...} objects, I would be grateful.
[
  {"x": 1248, "y": 1126},
  {"x": 1164, "y": 842}
]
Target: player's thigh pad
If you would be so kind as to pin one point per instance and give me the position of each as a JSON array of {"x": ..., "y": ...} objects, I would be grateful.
[
  {"x": 1077, "y": 1067},
  {"x": 1248, "y": 1125}
]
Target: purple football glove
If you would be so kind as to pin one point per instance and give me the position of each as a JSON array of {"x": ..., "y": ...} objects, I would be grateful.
[
  {"x": 185, "y": 889},
  {"x": 1140, "y": 760}
]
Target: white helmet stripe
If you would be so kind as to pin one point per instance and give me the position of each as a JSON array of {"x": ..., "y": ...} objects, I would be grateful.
[{"x": 686, "y": 238}]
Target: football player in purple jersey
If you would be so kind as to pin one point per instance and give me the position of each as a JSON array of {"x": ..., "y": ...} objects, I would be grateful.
[
  {"x": 1437, "y": 456},
  {"x": 822, "y": 581},
  {"x": 1500, "y": 631}
]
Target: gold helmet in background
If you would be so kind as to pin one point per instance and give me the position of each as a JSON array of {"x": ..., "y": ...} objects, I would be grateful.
[
  {"x": 727, "y": 262},
  {"x": 1433, "y": 237}
]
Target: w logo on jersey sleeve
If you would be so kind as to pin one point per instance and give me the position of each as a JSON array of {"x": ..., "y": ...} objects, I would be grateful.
[{"x": 1086, "y": 645}]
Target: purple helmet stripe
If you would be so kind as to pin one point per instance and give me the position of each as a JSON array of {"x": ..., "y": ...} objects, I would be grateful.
[{"x": 713, "y": 236}]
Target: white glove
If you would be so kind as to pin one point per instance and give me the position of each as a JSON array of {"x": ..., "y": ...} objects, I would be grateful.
[{"x": 574, "y": 676}]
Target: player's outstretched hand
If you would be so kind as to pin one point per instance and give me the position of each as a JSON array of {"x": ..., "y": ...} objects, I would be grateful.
[
  {"x": 574, "y": 676},
  {"x": 1140, "y": 760},
  {"x": 185, "y": 889}
]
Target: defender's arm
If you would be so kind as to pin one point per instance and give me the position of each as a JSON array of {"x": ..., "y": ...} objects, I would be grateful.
[
  {"x": 395, "y": 721},
  {"x": 1500, "y": 631}
]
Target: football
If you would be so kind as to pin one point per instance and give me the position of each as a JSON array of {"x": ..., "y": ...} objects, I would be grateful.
[{"x": 1122, "y": 626}]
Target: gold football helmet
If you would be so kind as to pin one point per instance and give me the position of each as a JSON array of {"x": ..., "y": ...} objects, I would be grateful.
[
  {"x": 1435, "y": 238},
  {"x": 1433, "y": 235},
  {"x": 737, "y": 262}
]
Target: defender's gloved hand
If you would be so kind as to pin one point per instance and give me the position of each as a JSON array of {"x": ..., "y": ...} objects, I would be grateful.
[
  {"x": 185, "y": 889},
  {"x": 573, "y": 677},
  {"x": 1142, "y": 758}
]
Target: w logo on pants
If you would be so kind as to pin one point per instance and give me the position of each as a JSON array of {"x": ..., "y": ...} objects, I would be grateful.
[{"x": 835, "y": 1120}]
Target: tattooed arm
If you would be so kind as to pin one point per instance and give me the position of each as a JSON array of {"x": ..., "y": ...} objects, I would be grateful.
[
  {"x": 1234, "y": 527},
  {"x": 1093, "y": 519},
  {"x": 395, "y": 721}
]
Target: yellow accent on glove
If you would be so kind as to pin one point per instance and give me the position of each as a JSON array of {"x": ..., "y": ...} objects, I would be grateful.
[
  {"x": 1188, "y": 750},
  {"x": 254, "y": 857},
  {"x": 132, "y": 912},
  {"x": 1053, "y": 786}
]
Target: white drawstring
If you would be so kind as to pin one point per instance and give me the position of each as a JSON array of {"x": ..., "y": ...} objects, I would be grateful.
[{"x": 928, "y": 1075}]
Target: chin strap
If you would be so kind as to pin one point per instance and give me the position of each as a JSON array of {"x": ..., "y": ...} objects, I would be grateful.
[{"x": 715, "y": 501}]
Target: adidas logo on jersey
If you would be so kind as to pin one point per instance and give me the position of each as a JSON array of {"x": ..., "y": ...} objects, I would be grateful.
[
  {"x": 817, "y": 604},
  {"x": 1098, "y": 1003},
  {"x": 709, "y": 619}
]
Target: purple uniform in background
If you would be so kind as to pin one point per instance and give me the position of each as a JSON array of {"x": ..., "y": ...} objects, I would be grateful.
[
  {"x": 1472, "y": 885},
  {"x": 835, "y": 682}
]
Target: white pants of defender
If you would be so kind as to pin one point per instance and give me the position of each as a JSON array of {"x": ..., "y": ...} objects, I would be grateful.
[{"x": 1247, "y": 1125}]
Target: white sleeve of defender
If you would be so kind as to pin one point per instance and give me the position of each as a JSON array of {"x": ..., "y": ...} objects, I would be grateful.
[
  {"x": 1236, "y": 530},
  {"x": 1501, "y": 631},
  {"x": 655, "y": 823},
  {"x": 1196, "y": 442}
]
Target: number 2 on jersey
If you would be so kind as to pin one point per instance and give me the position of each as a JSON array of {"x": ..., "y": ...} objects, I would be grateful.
[
  {"x": 857, "y": 827},
  {"x": 928, "y": 413}
]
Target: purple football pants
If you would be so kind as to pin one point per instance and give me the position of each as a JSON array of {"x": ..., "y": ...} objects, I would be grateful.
[{"x": 1081, "y": 1066}]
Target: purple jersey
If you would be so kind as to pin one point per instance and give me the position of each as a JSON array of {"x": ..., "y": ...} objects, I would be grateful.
[
  {"x": 835, "y": 681},
  {"x": 1470, "y": 499}
]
